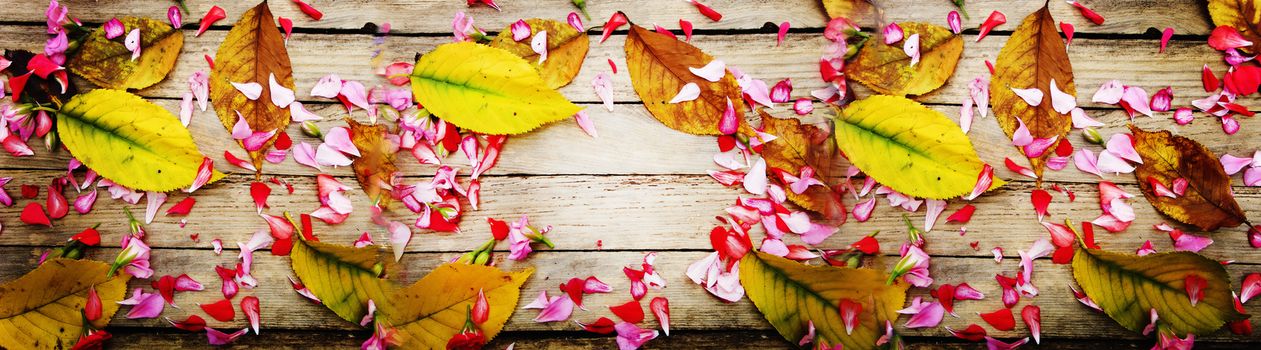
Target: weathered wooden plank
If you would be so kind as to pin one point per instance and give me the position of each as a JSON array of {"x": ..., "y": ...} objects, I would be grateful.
[
  {"x": 132, "y": 338},
  {"x": 631, "y": 141},
  {"x": 1123, "y": 16},
  {"x": 351, "y": 57},
  {"x": 618, "y": 213},
  {"x": 691, "y": 307}
]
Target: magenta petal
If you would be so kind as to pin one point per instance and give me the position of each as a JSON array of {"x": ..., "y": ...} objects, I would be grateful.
[
  {"x": 1233, "y": 164},
  {"x": 216, "y": 337},
  {"x": 520, "y": 30},
  {"x": 257, "y": 140},
  {"x": 241, "y": 129},
  {"x": 150, "y": 306},
  {"x": 631, "y": 337},
  {"x": 927, "y": 317},
  {"x": 183, "y": 283},
  {"x": 556, "y": 310},
  {"x": 339, "y": 139},
  {"x": 113, "y": 29},
  {"x": 1189, "y": 242},
  {"x": 82, "y": 204}
]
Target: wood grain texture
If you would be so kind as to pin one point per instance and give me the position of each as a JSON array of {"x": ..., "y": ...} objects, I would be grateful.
[
  {"x": 351, "y": 58},
  {"x": 1123, "y": 16},
  {"x": 633, "y": 142},
  {"x": 691, "y": 307}
]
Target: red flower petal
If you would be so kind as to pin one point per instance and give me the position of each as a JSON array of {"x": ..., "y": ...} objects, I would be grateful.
[
  {"x": 283, "y": 142},
  {"x": 194, "y": 323},
  {"x": 868, "y": 245},
  {"x": 972, "y": 333},
  {"x": 1002, "y": 319},
  {"x": 707, "y": 11},
  {"x": 249, "y": 306},
  {"x": 215, "y": 14},
  {"x": 574, "y": 289},
  {"x": 850, "y": 311},
  {"x": 731, "y": 246},
  {"x": 1041, "y": 200},
  {"x": 995, "y": 19},
  {"x": 259, "y": 191},
  {"x": 1063, "y": 255},
  {"x": 33, "y": 214},
  {"x": 89, "y": 237},
  {"x": 963, "y": 215},
  {"x": 946, "y": 296},
  {"x": 498, "y": 229},
  {"x": 92, "y": 308},
  {"x": 1211, "y": 83},
  {"x": 56, "y": 202},
  {"x": 166, "y": 287},
  {"x": 661, "y": 310},
  {"x": 183, "y": 207},
  {"x": 604, "y": 325},
  {"x": 30, "y": 191},
  {"x": 481, "y": 309},
  {"x": 1195, "y": 285},
  {"x": 308, "y": 10},
  {"x": 220, "y": 310},
  {"x": 632, "y": 311},
  {"x": 1088, "y": 13},
  {"x": 1032, "y": 315},
  {"x": 282, "y": 247}
]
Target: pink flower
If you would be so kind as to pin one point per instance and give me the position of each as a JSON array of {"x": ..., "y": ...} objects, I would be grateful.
[
  {"x": 913, "y": 267},
  {"x": 134, "y": 258}
]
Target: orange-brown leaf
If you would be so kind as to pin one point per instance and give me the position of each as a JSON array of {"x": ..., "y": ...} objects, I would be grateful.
[
  {"x": 800, "y": 145},
  {"x": 888, "y": 70},
  {"x": 566, "y": 49},
  {"x": 1208, "y": 202},
  {"x": 1243, "y": 15},
  {"x": 658, "y": 66},
  {"x": 1032, "y": 57},
  {"x": 375, "y": 166},
  {"x": 253, "y": 50}
]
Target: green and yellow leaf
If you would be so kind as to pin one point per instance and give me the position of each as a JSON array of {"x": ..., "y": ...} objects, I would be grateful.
[
  {"x": 344, "y": 278},
  {"x": 44, "y": 308},
  {"x": 375, "y": 166},
  {"x": 659, "y": 64},
  {"x": 1209, "y": 203},
  {"x": 486, "y": 90},
  {"x": 566, "y": 49},
  {"x": 130, "y": 141},
  {"x": 252, "y": 52},
  {"x": 888, "y": 70},
  {"x": 910, "y": 148},
  {"x": 428, "y": 313},
  {"x": 1033, "y": 57},
  {"x": 1127, "y": 287},
  {"x": 791, "y": 294},
  {"x": 108, "y": 64}
]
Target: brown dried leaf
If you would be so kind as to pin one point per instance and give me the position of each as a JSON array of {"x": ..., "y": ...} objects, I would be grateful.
[
  {"x": 1243, "y": 15},
  {"x": 800, "y": 145},
  {"x": 854, "y": 10},
  {"x": 1032, "y": 57},
  {"x": 43, "y": 309},
  {"x": 1208, "y": 202},
  {"x": 887, "y": 69},
  {"x": 108, "y": 64},
  {"x": 566, "y": 49},
  {"x": 252, "y": 51},
  {"x": 658, "y": 66},
  {"x": 375, "y": 166}
]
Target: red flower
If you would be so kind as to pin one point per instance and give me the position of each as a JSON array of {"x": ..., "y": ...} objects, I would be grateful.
[{"x": 469, "y": 340}]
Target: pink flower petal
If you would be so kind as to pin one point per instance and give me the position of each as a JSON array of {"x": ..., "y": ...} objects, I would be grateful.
[
  {"x": 892, "y": 33},
  {"x": 156, "y": 199},
  {"x": 1251, "y": 287},
  {"x": 1017, "y": 168},
  {"x": 1061, "y": 101},
  {"x": 689, "y": 92},
  {"x": 304, "y": 154},
  {"x": 1031, "y": 96},
  {"x": 1226, "y": 37},
  {"x": 132, "y": 43},
  {"x": 339, "y": 139},
  {"x": 327, "y": 87},
  {"x": 1136, "y": 98},
  {"x": 755, "y": 181},
  {"x": 1189, "y": 242},
  {"x": 327, "y": 155},
  {"x": 299, "y": 113},
  {"x": 113, "y": 29},
  {"x": 862, "y": 211},
  {"x": 216, "y": 337},
  {"x": 603, "y": 85},
  {"x": 539, "y": 45},
  {"x": 1122, "y": 145},
  {"x": 983, "y": 182},
  {"x": 1183, "y": 116},
  {"x": 1110, "y": 163},
  {"x": 556, "y": 310},
  {"x": 911, "y": 48},
  {"x": 1021, "y": 137},
  {"x": 1233, "y": 164},
  {"x": 713, "y": 71},
  {"x": 979, "y": 89},
  {"x": 779, "y": 39},
  {"x": 1110, "y": 223},
  {"x": 928, "y": 317},
  {"x": 251, "y": 90},
  {"x": 955, "y": 22},
  {"x": 280, "y": 96},
  {"x": 150, "y": 305},
  {"x": 1109, "y": 93},
  {"x": 520, "y": 30},
  {"x": 1082, "y": 121}
]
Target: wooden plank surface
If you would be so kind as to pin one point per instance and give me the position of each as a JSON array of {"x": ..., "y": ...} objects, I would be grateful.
[
  {"x": 691, "y": 307},
  {"x": 640, "y": 186},
  {"x": 1123, "y": 16}
]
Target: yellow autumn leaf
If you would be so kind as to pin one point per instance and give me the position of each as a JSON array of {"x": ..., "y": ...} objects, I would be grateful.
[
  {"x": 428, "y": 313},
  {"x": 660, "y": 66},
  {"x": 910, "y": 148},
  {"x": 108, "y": 64},
  {"x": 44, "y": 308},
  {"x": 854, "y": 10},
  {"x": 252, "y": 53},
  {"x": 343, "y": 277},
  {"x": 1243, "y": 15},
  {"x": 375, "y": 167},
  {"x": 1208, "y": 203},
  {"x": 486, "y": 90},
  {"x": 888, "y": 70},
  {"x": 1032, "y": 58},
  {"x": 130, "y": 141},
  {"x": 1127, "y": 287},
  {"x": 791, "y": 294},
  {"x": 566, "y": 50}
]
